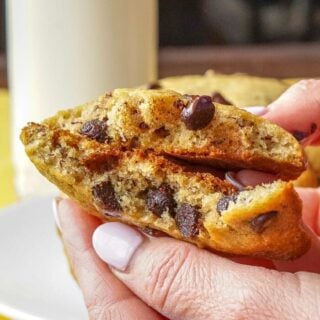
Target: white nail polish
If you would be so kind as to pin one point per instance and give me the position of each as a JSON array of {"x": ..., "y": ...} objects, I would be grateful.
[
  {"x": 55, "y": 203},
  {"x": 257, "y": 110},
  {"x": 115, "y": 243}
]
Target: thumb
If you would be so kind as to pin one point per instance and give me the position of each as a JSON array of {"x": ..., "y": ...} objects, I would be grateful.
[
  {"x": 298, "y": 111},
  {"x": 183, "y": 282}
]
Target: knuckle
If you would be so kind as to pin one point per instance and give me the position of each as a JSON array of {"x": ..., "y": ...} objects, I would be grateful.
[
  {"x": 248, "y": 301},
  {"x": 165, "y": 277}
]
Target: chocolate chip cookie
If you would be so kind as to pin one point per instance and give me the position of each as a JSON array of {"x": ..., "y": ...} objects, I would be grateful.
[
  {"x": 145, "y": 158},
  {"x": 192, "y": 128},
  {"x": 243, "y": 90}
]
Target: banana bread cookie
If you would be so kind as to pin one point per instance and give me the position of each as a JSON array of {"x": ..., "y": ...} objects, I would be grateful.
[
  {"x": 144, "y": 189},
  {"x": 242, "y": 90},
  {"x": 188, "y": 127}
]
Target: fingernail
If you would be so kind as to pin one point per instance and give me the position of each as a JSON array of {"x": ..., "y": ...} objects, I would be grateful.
[
  {"x": 253, "y": 178},
  {"x": 152, "y": 232},
  {"x": 257, "y": 110},
  {"x": 115, "y": 243},
  {"x": 232, "y": 178},
  {"x": 55, "y": 204}
]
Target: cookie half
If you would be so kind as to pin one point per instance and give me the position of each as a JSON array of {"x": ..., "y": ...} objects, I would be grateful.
[{"x": 188, "y": 127}]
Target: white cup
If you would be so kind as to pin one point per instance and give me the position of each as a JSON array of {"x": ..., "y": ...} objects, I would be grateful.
[{"x": 65, "y": 52}]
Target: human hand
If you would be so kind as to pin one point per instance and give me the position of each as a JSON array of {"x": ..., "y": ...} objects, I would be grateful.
[{"x": 153, "y": 278}]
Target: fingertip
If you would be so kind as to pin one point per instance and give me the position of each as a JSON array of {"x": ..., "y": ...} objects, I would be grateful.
[
  {"x": 298, "y": 111},
  {"x": 115, "y": 243},
  {"x": 252, "y": 177},
  {"x": 311, "y": 208},
  {"x": 72, "y": 219},
  {"x": 257, "y": 110},
  {"x": 55, "y": 209}
]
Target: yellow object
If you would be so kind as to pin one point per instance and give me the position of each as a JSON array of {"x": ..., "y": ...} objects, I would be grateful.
[{"x": 7, "y": 193}]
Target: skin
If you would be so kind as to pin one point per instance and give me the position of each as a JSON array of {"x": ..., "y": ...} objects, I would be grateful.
[{"x": 171, "y": 279}]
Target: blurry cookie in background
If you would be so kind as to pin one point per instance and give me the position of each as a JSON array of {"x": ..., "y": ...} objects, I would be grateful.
[
  {"x": 239, "y": 89},
  {"x": 242, "y": 90},
  {"x": 308, "y": 179}
]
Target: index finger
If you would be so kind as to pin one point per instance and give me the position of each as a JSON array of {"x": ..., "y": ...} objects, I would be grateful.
[{"x": 298, "y": 111}]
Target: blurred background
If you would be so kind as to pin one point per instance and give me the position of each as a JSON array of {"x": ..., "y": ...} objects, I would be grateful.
[
  {"x": 265, "y": 37},
  {"x": 59, "y": 53},
  {"x": 56, "y": 54}
]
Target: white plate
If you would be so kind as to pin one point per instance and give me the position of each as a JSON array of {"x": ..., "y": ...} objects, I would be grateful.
[{"x": 35, "y": 281}]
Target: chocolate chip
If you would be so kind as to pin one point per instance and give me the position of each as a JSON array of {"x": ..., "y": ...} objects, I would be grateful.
[
  {"x": 143, "y": 126},
  {"x": 162, "y": 132},
  {"x": 313, "y": 127},
  {"x": 223, "y": 203},
  {"x": 134, "y": 143},
  {"x": 259, "y": 223},
  {"x": 95, "y": 129},
  {"x": 198, "y": 113},
  {"x": 219, "y": 98},
  {"x": 300, "y": 135},
  {"x": 187, "y": 219},
  {"x": 104, "y": 194},
  {"x": 161, "y": 200},
  {"x": 153, "y": 85}
]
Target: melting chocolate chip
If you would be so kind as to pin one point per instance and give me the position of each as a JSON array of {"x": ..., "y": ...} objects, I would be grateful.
[
  {"x": 223, "y": 203},
  {"x": 143, "y": 126},
  {"x": 259, "y": 223},
  {"x": 219, "y": 98},
  {"x": 199, "y": 113},
  {"x": 187, "y": 219},
  {"x": 313, "y": 127},
  {"x": 162, "y": 132},
  {"x": 153, "y": 85},
  {"x": 300, "y": 135},
  {"x": 104, "y": 194},
  {"x": 161, "y": 200},
  {"x": 95, "y": 129}
]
